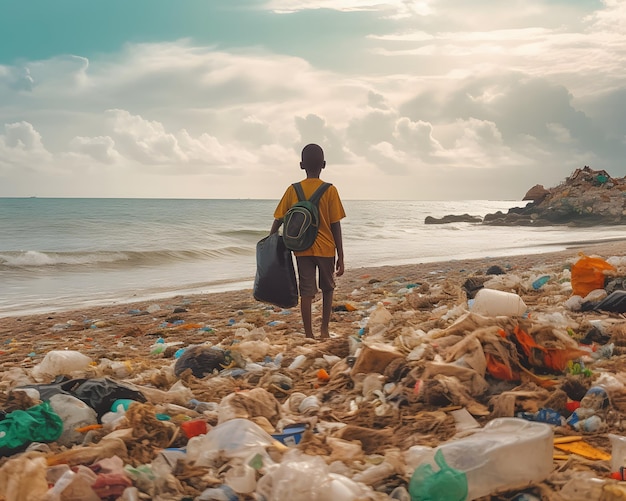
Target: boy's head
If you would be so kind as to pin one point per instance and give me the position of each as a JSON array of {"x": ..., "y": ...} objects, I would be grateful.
[{"x": 312, "y": 158}]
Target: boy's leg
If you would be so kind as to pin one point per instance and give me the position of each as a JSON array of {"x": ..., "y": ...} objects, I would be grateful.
[
  {"x": 326, "y": 267},
  {"x": 327, "y": 306},
  {"x": 308, "y": 288},
  {"x": 305, "y": 310}
]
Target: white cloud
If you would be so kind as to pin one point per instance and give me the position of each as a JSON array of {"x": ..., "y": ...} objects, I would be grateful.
[
  {"x": 22, "y": 136},
  {"x": 397, "y": 8},
  {"x": 101, "y": 149},
  {"x": 457, "y": 89},
  {"x": 21, "y": 147}
]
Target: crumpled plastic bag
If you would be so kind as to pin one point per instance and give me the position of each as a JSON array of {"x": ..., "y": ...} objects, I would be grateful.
[
  {"x": 37, "y": 424},
  {"x": 446, "y": 483},
  {"x": 588, "y": 273},
  {"x": 614, "y": 302}
]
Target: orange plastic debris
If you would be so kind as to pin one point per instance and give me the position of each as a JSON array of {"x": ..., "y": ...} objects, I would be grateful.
[
  {"x": 588, "y": 273},
  {"x": 499, "y": 369},
  {"x": 552, "y": 358},
  {"x": 188, "y": 327},
  {"x": 89, "y": 427},
  {"x": 322, "y": 375}
]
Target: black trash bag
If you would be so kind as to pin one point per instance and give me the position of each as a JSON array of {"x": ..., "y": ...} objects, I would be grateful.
[
  {"x": 202, "y": 360},
  {"x": 615, "y": 302},
  {"x": 100, "y": 393},
  {"x": 275, "y": 281},
  {"x": 97, "y": 393},
  {"x": 60, "y": 385}
]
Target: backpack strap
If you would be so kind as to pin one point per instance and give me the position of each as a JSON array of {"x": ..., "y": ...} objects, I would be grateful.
[
  {"x": 299, "y": 192},
  {"x": 315, "y": 198}
]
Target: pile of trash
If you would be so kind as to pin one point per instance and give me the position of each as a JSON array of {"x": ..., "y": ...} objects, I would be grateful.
[
  {"x": 587, "y": 197},
  {"x": 504, "y": 385}
]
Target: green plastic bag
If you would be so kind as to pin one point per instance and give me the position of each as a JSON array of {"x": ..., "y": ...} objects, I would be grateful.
[
  {"x": 37, "y": 424},
  {"x": 447, "y": 484}
]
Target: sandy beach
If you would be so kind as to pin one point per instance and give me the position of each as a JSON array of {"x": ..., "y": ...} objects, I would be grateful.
[
  {"x": 218, "y": 308},
  {"x": 131, "y": 333}
]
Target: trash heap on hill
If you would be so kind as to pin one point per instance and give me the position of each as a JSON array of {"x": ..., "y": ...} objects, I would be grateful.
[
  {"x": 587, "y": 197},
  {"x": 503, "y": 385}
]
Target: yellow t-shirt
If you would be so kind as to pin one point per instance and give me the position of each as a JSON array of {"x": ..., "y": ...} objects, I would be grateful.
[{"x": 330, "y": 211}]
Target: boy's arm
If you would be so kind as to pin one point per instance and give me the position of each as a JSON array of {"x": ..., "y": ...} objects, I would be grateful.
[
  {"x": 336, "y": 229},
  {"x": 275, "y": 225}
]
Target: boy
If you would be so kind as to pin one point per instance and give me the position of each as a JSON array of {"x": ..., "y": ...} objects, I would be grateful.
[{"x": 320, "y": 256}]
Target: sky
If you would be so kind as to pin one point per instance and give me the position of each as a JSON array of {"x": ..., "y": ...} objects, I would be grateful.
[{"x": 410, "y": 99}]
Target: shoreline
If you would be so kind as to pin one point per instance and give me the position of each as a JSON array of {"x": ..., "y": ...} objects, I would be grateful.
[
  {"x": 161, "y": 285},
  {"x": 352, "y": 278}
]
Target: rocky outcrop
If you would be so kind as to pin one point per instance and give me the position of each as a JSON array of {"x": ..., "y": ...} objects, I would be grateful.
[
  {"x": 537, "y": 194},
  {"x": 586, "y": 198},
  {"x": 465, "y": 218}
]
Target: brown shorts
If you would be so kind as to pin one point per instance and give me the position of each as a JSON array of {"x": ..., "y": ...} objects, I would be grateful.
[{"x": 307, "y": 266}]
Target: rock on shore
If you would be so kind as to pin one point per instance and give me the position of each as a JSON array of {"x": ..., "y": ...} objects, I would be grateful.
[{"x": 586, "y": 198}]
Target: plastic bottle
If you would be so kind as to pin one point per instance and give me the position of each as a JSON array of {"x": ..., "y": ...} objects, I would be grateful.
[
  {"x": 540, "y": 282},
  {"x": 549, "y": 416},
  {"x": 492, "y": 302},
  {"x": 297, "y": 362},
  {"x": 375, "y": 474},
  {"x": 583, "y": 487},
  {"x": 590, "y": 424},
  {"x": 618, "y": 451},
  {"x": 507, "y": 452}
]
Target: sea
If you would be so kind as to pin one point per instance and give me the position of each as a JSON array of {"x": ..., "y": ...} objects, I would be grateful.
[{"x": 62, "y": 253}]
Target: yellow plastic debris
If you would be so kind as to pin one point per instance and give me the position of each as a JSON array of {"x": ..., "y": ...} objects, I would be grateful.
[{"x": 583, "y": 449}]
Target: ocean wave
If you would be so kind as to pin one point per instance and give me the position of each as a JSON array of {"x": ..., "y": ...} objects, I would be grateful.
[
  {"x": 39, "y": 259},
  {"x": 247, "y": 234}
]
